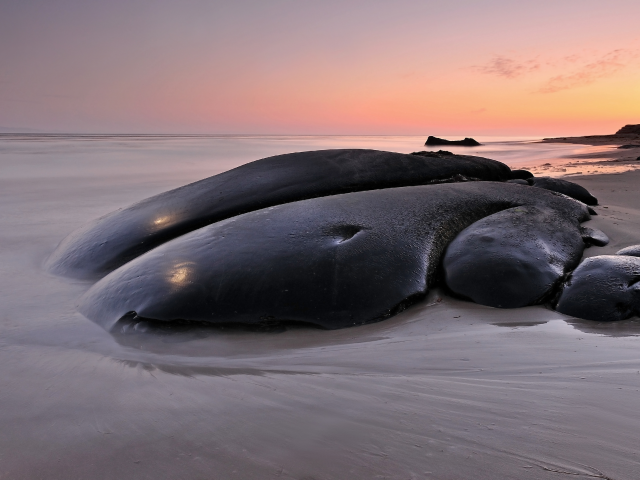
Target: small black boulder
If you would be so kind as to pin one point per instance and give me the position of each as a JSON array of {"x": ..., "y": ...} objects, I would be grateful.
[
  {"x": 569, "y": 189},
  {"x": 521, "y": 174},
  {"x": 467, "y": 142}
]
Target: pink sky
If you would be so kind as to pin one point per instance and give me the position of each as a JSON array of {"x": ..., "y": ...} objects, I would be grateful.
[{"x": 332, "y": 67}]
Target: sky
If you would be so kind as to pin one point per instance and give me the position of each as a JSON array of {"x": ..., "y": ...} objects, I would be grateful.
[{"x": 402, "y": 67}]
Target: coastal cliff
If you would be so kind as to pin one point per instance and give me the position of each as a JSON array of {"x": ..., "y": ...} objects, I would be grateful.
[{"x": 627, "y": 135}]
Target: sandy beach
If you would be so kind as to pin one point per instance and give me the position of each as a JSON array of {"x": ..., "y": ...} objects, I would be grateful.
[
  {"x": 445, "y": 390},
  {"x": 603, "y": 154}
]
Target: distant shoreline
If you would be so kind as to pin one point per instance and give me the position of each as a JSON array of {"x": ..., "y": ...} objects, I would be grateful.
[
  {"x": 596, "y": 140},
  {"x": 627, "y": 135}
]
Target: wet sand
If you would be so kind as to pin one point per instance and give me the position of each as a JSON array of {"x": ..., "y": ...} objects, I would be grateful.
[
  {"x": 446, "y": 390},
  {"x": 601, "y": 155},
  {"x": 614, "y": 139}
]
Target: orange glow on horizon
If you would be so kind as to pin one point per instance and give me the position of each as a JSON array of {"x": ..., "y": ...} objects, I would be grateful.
[{"x": 542, "y": 69}]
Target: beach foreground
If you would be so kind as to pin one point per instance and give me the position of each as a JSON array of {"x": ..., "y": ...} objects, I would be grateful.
[{"x": 446, "y": 389}]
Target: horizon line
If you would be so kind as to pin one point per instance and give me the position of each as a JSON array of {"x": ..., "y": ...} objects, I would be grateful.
[{"x": 244, "y": 134}]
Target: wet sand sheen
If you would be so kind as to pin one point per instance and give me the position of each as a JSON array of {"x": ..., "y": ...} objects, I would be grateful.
[{"x": 447, "y": 389}]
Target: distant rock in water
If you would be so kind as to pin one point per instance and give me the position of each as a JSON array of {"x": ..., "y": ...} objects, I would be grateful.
[
  {"x": 628, "y": 146},
  {"x": 629, "y": 130},
  {"x": 467, "y": 142}
]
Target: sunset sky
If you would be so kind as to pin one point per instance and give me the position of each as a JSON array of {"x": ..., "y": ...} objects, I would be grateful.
[{"x": 498, "y": 67}]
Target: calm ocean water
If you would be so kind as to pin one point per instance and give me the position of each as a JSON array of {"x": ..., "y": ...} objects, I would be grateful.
[{"x": 148, "y": 157}]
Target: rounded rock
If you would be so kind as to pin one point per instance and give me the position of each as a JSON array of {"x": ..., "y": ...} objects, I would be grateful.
[
  {"x": 603, "y": 288},
  {"x": 565, "y": 187},
  {"x": 632, "y": 251}
]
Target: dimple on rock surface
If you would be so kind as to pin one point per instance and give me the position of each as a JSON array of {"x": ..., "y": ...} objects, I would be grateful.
[{"x": 466, "y": 142}]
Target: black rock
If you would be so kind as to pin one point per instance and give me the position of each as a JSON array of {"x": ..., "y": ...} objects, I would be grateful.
[
  {"x": 603, "y": 288},
  {"x": 565, "y": 187},
  {"x": 467, "y": 142},
  {"x": 521, "y": 174},
  {"x": 439, "y": 153},
  {"x": 110, "y": 241},
  {"x": 342, "y": 260},
  {"x": 629, "y": 146},
  {"x": 513, "y": 258},
  {"x": 519, "y": 181},
  {"x": 632, "y": 251}
]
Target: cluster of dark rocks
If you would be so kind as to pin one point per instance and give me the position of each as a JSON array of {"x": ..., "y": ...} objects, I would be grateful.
[{"x": 338, "y": 238}]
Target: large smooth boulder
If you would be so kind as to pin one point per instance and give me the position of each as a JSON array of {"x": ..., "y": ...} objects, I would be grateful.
[
  {"x": 467, "y": 142},
  {"x": 105, "y": 244},
  {"x": 334, "y": 261},
  {"x": 513, "y": 258},
  {"x": 631, "y": 251}
]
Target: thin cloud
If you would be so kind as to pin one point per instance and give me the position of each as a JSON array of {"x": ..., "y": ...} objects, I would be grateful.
[
  {"x": 579, "y": 69},
  {"x": 606, "y": 66},
  {"x": 507, "y": 67}
]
